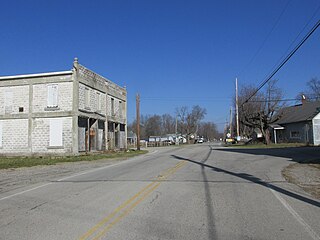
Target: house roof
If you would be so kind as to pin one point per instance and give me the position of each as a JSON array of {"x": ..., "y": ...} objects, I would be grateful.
[{"x": 299, "y": 113}]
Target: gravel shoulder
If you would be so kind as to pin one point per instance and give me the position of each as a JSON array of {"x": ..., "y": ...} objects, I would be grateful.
[
  {"x": 304, "y": 175},
  {"x": 16, "y": 178}
]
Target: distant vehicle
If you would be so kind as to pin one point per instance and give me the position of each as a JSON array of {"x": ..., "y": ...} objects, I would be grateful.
[
  {"x": 230, "y": 141},
  {"x": 200, "y": 140}
]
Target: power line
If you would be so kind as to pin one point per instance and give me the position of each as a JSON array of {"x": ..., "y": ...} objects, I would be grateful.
[
  {"x": 284, "y": 61},
  {"x": 267, "y": 37},
  {"x": 301, "y": 31}
]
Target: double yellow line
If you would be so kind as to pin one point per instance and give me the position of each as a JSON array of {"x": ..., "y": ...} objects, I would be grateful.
[{"x": 101, "y": 228}]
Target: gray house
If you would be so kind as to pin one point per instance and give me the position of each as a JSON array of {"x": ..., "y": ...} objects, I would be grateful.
[
  {"x": 65, "y": 112},
  {"x": 299, "y": 124}
]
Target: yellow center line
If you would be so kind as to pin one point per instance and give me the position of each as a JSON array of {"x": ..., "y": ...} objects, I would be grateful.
[
  {"x": 140, "y": 196},
  {"x": 125, "y": 213}
]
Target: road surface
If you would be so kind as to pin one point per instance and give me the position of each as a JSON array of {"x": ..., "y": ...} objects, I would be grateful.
[{"x": 196, "y": 192}]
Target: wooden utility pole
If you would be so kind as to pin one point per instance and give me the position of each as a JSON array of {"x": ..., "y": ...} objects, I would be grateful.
[
  {"x": 231, "y": 122},
  {"x": 138, "y": 120},
  {"x": 237, "y": 109}
]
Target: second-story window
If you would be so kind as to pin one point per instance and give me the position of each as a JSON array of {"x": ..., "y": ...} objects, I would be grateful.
[
  {"x": 87, "y": 98},
  {"x": 52, "y": 100},
  {"x": 98, "y": 102},
  {"x": 8, "y": 101},
  {"x": 112, "y": 107}
]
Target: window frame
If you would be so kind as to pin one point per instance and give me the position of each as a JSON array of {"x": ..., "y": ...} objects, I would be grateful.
[
  {"x": 52, "y": 96},
  {"x": 295, "y": 134}
]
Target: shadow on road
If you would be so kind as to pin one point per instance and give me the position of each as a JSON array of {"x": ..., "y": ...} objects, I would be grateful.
[
  {"x": 210, "y": 216},
  {"x": 296, "y": 154},
  {"x": 250, "y": 178}
]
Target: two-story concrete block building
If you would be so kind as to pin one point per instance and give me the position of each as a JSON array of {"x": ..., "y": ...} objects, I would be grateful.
[{"x": 65, "y": 112}]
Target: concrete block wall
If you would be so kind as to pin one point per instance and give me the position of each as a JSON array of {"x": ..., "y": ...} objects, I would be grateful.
[
  {"x": 40, "y": 95},
  {"x": 14, "y": 136},
  {"x": 93, "y": 103},
  {"x": 20, "y": 98},
  {"x": 117, "y": 113},
  {"x": 40, "y": 136}
]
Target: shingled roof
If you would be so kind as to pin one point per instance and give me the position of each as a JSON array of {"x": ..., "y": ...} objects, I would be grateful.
[{"x": 299, "y": 113}]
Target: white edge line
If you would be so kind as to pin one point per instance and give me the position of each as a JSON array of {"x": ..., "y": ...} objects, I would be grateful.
[
  {"x": 75, "y": 175},
  {"x": 311, "y": 232},
  {"x": 25, "y": 191}
]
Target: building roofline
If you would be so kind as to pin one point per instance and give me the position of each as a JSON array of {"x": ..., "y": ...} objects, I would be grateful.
[{"x": 48, "y": 74}]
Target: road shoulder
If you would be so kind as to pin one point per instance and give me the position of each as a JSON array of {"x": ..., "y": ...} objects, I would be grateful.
[{"x": 304, "y": 175}]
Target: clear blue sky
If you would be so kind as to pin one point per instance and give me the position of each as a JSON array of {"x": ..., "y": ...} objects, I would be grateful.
[{"x": 172, "y": 52}]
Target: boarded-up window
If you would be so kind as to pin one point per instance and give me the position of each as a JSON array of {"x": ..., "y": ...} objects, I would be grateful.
[
  {"x": 52, "y": 95},
  {"x": 0, "y": 134},
  {"x": 87, "y": 98},
  {"x": 55, "y": 139},
  {"x": 98, "y": 101},
  {"x": 112, "y": 107},
  {"x": 8, "y": 101}
]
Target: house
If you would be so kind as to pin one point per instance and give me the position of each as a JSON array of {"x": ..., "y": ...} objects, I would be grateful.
[
  {"x": 299, "y": 123},
  {"x": 65, "y": 112}
]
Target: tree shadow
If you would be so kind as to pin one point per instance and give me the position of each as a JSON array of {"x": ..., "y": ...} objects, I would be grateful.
[
  {"x": 296, "y": 154},
  {"x": 252, "y": 179}
]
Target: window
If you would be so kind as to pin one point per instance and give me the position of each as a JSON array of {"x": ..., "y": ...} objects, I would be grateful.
[
  {"x": 52, "y": 96},
  {"x": 87, "y": 98},
  {"x": 112, "y": 107},
  {"x": 120, "y": 109},
  {"x": 98, "y": 101},
  {"x": 295, "y": 134},
  {"x": 8, "y": 101},
  {"x": 55, "y": 133}
]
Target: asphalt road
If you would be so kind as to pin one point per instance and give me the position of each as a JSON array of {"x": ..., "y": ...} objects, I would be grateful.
[{"x": 196, "y": 192}]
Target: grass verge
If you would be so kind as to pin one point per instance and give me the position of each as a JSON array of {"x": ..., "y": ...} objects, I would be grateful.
[{"x": 17, "y": 162}]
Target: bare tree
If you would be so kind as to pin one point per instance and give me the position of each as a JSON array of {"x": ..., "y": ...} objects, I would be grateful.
[
  {"x": 188, "y": 121},
  {"x": 153, "y": 126},
  {"x": 168, "y": 124},
  {"x": 313, "y": 90},
  {"x": 260, "y": 111},
  {"x": 208, "y": 130}
]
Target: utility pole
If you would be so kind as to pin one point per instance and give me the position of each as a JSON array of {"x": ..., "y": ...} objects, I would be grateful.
[
  {"x": 138, "y": 120},
  {"x": 176, "y": 129},
  {"x": 237, "y": 110},
  {"x": 230, "y": 122}
]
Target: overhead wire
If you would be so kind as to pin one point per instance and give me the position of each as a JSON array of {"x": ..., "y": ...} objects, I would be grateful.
[
  {"x": 313, "y": 29},
  {"x": 267, "y": 37},
  {"x": 299, "y": 34}
]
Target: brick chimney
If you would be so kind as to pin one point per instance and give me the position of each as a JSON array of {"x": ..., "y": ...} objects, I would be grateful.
[{"x": 303, "y": 99}]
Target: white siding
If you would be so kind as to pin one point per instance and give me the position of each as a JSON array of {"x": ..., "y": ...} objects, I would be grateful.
[{"x": 316, "y": 129}]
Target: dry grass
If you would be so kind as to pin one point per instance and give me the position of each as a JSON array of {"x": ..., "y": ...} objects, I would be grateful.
[{"x": 16, "y": 162}]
